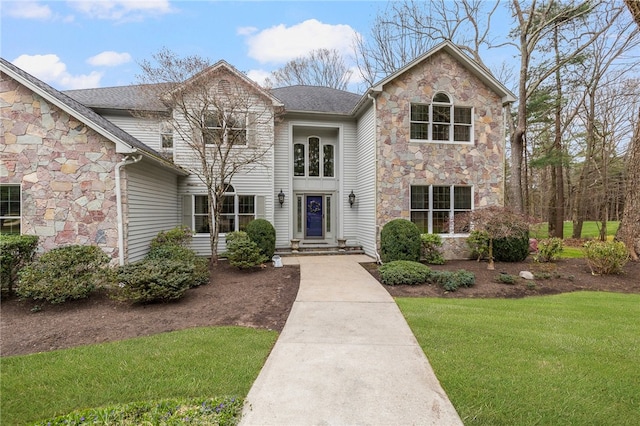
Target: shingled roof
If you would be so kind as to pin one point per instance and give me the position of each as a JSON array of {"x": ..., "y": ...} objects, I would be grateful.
[
  {"x": 83, "y": 113},
  {"x": 316, "y": 99},
  {"x": 135, "y": 97}
]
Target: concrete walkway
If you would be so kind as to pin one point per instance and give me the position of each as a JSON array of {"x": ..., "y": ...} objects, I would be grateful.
[{"x": 346, "y": 356}]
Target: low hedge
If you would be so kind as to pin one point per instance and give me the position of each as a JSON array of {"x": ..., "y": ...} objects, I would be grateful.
[{"x": 404, "y": 272}]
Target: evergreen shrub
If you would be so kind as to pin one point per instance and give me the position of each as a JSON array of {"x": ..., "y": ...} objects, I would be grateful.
[
  {"x": 404, "y": 272},
  {"x": 262, "y": 232},
  {"x": 64, "y": 273},
  {"x": 153, "y": 280},
  {"x": 400, "y": 240},
  {"x": 451, "y": 281},
  {"x": 606, "y": 257},
  {"x": 511, "y": 249},
  {"x": 16, "y": 251},
  {"x": 431, "y": 244}
]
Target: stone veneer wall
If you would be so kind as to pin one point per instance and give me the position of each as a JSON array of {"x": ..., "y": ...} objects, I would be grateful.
[
  {"x": 403, "y": 163},
  {"x": 65, "y": 168}
]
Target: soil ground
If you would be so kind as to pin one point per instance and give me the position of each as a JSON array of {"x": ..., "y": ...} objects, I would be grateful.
[{"x": 262, "y": 298}]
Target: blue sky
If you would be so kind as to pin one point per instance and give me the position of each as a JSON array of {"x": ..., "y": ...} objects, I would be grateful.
[{"x": 99, "y": 43}]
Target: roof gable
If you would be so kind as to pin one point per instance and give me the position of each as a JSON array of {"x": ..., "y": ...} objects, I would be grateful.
[
  {"x": 478, "y": 70},
  {"x": 125, "y": 143}
]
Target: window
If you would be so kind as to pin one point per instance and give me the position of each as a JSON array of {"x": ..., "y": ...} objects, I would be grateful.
[
  {"x": 10, "y": 209},
  {"x": 441, "y": 121},
  {"x": 434, "y": 208},
  {"x": 166, "y": 136},
  {"x": 218, "y": 127},
  {"x": 237, "y": 211},
  {"x": 314, "y": 158}
]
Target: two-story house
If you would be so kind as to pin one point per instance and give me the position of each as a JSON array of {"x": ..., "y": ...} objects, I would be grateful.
[{"x": 425, "y": 143}]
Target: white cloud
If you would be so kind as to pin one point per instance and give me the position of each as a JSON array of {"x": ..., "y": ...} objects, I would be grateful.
[
  {"x": 245, "y": 31},
  {"x": 259, "y": 76},
  {"x": 28, "y": 10},
  {"x": 122, "y": 10},
  {"x": 50, "y": 69},
  {"x": 109, "y": 59},
  {"x": 280, "y": 44}
]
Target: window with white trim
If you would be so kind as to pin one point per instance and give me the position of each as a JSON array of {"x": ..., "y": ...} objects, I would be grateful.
[
  {"x": 434, "y": 208},
  {"x": 237, "y": 211},
  {"x": 10, "y": 209},
  {"x": 221, "y": 127},
  {"x": 441, "y": 121},
  {"x": 314, "y": 158},
  {"x": 166, "y": 136}
]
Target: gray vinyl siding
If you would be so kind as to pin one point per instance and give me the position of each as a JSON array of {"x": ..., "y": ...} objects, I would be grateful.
[
  {"x": 366, "y": 170},
  {"x": 152, "y": 206},
  {"x": 282, "y": 181},
  {"x": 146, "y": 131},
  {"x": 350, "y": 221}
]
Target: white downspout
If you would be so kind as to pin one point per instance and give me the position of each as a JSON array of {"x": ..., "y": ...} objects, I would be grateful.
[
  {"x": 126, "y": 161},
  {"x": 375, "y": 181}
]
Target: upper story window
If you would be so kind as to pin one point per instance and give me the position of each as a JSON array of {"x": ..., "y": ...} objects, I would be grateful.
[
  {"x": 434, "y": 208},
  {"x": 10, "y": 203},
  {"x": 441, "y": 121},
  {"x": 218, "y": 127},
  {"x": 314, "y": 158},
  {"x": 166, "y": 136}
]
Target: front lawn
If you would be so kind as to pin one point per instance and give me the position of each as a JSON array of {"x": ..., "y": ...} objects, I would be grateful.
[
  {"x": 565, "y": 359},
  {"x": 198, "y": 362}
]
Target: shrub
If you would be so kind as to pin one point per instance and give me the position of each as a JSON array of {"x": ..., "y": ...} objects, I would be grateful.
[
  {"x": 16, "y": 251},
  {"x": 478, "y": 243},
  {"x": 507, "y": 278},
  {"x": 431, "y": 244},
  {"x": 451, "y": 281},
  {"x": 244, "y": 253},
  {"x": 400, "y": 240},
  {"x": 178, "y": 236},
  {"x": 511, "y": 249},
  {"x": 401, "y": 272},
  {"x": 236, "y": 235},
  {"x": 64, "y": 273},
  {"x": 153, "y": 280},
  {"x": 176, "y": 253},
  {"x": 606, "y": 257},
  {"x": 262, "y": 232},
  {"x": 548, "y": 250}
]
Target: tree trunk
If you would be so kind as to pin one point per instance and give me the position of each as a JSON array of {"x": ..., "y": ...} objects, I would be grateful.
[{"x": 629, "y": 230}]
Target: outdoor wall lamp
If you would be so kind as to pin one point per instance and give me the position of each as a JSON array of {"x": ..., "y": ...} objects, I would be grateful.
[
  {"x": 352, "y": 199},
  {"x": 281, "y": 198}
]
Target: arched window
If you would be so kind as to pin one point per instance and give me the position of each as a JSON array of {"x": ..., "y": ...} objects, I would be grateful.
[
  {"x": 441, "y": 121},
  {"x": 314, "y": 158}
]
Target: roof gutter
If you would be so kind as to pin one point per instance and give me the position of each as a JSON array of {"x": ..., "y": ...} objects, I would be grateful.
[
  {"x": 128, "y": 159},
  {"x": 375, "y": 184}
]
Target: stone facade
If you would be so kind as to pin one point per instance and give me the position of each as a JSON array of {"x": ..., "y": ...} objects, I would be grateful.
[
  {"x": 65, "y": 169},
  {"x": 403, "y": 163}
]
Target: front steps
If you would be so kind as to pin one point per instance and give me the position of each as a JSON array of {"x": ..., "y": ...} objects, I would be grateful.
[{"x": 318, "y": 250}]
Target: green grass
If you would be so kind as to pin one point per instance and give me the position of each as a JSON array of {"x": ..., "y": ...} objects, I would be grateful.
[
  {"x": 590, "y": 229},
  {"x": 570, "y": 359},
  {"x": 200, "y": 362}
]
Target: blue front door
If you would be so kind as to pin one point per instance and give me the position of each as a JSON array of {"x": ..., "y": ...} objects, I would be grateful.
[{"x": 314, "y": 214}]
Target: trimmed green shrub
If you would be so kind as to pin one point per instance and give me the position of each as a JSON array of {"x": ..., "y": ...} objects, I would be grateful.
[
  {"x": 244, "y": 253},
  {"x": 178, "y": 236},
  {"x": 400, "y": 240},
  {"x": 549, "y": 250},
  {"x": 404, "y": 272},
  {"x": 153, "y": 280},
  {"x": 16, "y": 251},
  {"x": 172, "y": 245},
  {"x": 511, "y": 249},
  {"x": 478, "y": 243},
  {"x": 64, "y": 273},
  {"x": 507, "y": 278},
  {"x": 451, "y": 281},
  {"x": 431, "y": 244},
  {"x": 262, "y": 232},
  {"x": 606, "y": 257},
  {"x": 236, "y": 235}
]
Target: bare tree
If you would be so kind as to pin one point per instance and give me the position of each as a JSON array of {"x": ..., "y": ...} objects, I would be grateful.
[
  {"x": 321, "y": 67},
  {"x": 216, "y": 113},
  {"x": 535, "y": 23},
  {"x": 629, "y": 230},
  {"x": 406, "y": 30}
]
